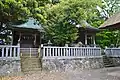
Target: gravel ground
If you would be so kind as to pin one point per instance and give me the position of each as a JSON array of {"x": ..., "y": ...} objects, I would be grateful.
[{"x": 98, "y": 74}]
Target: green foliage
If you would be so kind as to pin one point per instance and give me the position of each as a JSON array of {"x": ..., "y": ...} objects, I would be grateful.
[
  {"x": 15, "y": 10},
  {"x": 108, "y": 37},
  {"x": 111, "y": 6},
  {"x": 12, "y": 10},
  {"x": 63, "y": 17}
]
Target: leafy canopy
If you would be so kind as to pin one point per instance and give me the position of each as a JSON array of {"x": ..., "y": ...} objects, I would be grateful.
[
  {"x": 63, "y": 17},
  {"x": 15, "y": 10},
  {"x": 11, "y": 10}
]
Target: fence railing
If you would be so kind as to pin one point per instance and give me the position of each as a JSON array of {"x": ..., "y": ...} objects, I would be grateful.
[
  {"x": 113, "y": 52},
  {"x": 9, "y": 52},
  {"x": 70, "y": 52},
  {"x": 29, "y": 52}
]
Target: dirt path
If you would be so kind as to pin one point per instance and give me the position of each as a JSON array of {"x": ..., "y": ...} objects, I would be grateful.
[{"x": 98, "y": 74}]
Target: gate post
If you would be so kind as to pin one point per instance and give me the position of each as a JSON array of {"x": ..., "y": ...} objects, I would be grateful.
[
  {"x": 40, "y": 50},
  {"x": 18, "y": 53},
  {"x": 30, "y": 52}
]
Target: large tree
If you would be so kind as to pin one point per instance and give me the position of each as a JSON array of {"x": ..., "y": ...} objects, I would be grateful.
[
  {"x": 63, "y": 17},
  {"x": 14, "y": 10},
  {"x": 20, "y": 10}
]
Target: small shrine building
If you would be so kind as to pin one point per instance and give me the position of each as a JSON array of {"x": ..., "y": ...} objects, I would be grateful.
[{"x": 27, "y": 34}]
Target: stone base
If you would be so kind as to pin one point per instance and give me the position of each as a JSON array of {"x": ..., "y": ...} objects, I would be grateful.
[
  {"x": 116, "y": 61},
  {"x": 7, "y": 67},
  {"x": 71, "y": 64}
]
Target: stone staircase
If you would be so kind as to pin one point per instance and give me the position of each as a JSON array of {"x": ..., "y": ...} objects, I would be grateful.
[
  {"x": 30, "y": 64},
  {"x": 108, "y": 62}
]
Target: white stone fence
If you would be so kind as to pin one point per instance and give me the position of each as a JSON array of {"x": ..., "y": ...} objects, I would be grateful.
[
  {"x": 50, "y": 52},
  {"x": 112, "y": 52},
  {"x": 9, "y": 52}
]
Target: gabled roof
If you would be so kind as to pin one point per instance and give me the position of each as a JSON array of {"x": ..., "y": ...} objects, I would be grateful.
[
  {"x": 113, "y": 20},
  {"x": 30, "y": 24},
  {"x": 87, "y": 26}
]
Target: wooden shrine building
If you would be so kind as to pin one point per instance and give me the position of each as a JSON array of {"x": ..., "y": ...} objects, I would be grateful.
[
  {"x": 112, "y": 23},
  {"x": 87, "y": 33},
  {"x": 27, "y": 34}
]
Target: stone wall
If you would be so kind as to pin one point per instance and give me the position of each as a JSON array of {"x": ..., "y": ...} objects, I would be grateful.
[
  {"x": 9, "y": 66},
  {"x": 116, "y": 61},
  {"x": 71, "y": 64}
]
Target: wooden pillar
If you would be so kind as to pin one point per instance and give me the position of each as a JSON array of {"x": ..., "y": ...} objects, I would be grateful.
[
  {"x": 94, "y": 40},
  {"x": 19, "y": 37},
  {"x": 85, "y": 39},
  {"x": 91, "y": 39},
  {"x": 35, "y": 40},
  {"x": 12, "y": 37},
  {"x": 41, "y": 38}
]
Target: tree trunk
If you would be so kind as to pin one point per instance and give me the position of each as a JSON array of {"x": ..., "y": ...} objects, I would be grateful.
[{"x": 1, "y": 26}]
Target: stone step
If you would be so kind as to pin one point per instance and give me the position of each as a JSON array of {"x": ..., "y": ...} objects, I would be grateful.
[
  {"x": 108, "y": 62},
  {"x": 29, "y": 61},
  {"x": 32, "y": 72},
  {"x": 32, "y": 58},
  {"x": 109, "y": 65},
  {"x": 31, "y": 69},
  {"x": 30, "y": 64},
  {"x": 25, "y": 65}
]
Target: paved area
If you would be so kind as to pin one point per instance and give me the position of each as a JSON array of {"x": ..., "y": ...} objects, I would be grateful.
[
  {"x": 101, "y": 74},
  {"x": 97, "y": 74}
]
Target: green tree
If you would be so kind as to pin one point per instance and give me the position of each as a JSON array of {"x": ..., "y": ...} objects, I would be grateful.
[
  {"x": 20, "y": 10},
  {"x": 14, "y": 10},
  {"x": 63, "y": 17},
  {"x": 110, "y": 7},
  {"x": 108, "y": 37}
]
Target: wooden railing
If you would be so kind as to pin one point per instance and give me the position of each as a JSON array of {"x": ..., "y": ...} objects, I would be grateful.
[
  {"x": 113, "y": 52},
  {"x": 9, "y": 52},
  {"x": 70, "y": 52}
]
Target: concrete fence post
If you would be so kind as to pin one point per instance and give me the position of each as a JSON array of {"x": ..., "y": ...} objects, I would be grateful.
[{"x": 41, "y": 50}]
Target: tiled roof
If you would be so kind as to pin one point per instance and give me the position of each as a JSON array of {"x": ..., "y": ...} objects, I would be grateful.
[
  {"x": 30, "y": 24},
  {"x": 87, "y": 26}
]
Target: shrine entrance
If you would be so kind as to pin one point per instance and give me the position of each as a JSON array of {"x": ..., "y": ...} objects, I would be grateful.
[{"x": 27, "y": 41}]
